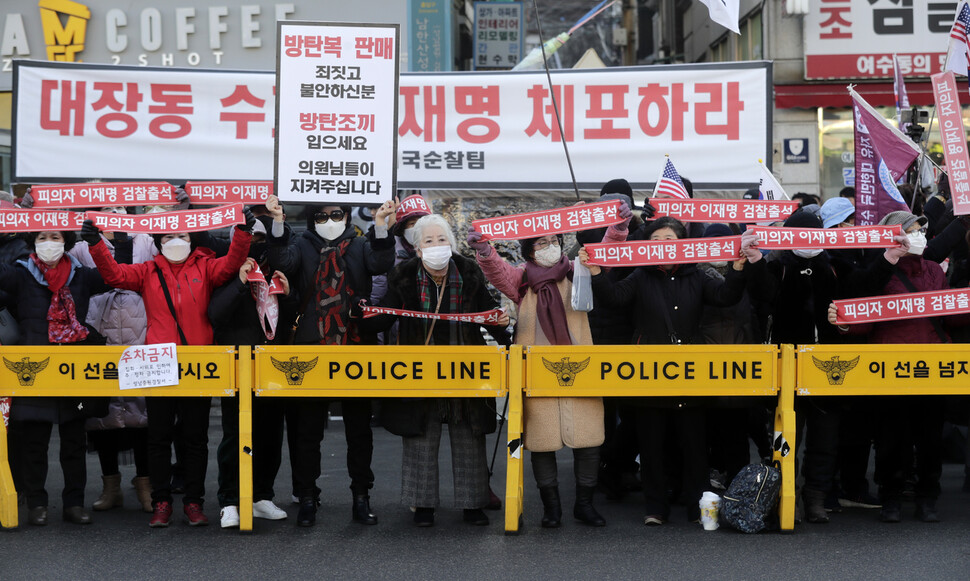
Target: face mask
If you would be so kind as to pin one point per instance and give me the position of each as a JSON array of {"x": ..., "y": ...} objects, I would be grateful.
[
  {"x": 49, "y": 251},
  {"x": 155, "y": 209},
  {"x": 118, "y": 210},
  {"x": 330, "y": 230},
  {"x": 917, "y": 243},
  {"x": 410, "y": 236},
  {"x": 548, "y": 256},
  {"x": 436, "y": 257},
  {"x": 176, "y": 250},
  {"x": 719, "y": 264},
  {"x": 257, "y": 251},
  {"x": 807, "y": 253}
]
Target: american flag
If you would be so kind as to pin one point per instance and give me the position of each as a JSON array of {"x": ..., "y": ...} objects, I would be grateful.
[
  {"x": 669, "y": 183},
  {"x": 957, "y": 55}
]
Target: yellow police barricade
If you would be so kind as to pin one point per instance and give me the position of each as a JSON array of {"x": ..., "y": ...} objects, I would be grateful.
[
  {"x": 92, "y": 371},
  {"x": 655, "y": 370},
  {"x": 363, "y": 371},
  {"x": 931, "y": 369}
]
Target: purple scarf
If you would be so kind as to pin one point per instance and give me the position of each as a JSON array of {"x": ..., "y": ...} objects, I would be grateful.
[{"x": 549, "y": 308}]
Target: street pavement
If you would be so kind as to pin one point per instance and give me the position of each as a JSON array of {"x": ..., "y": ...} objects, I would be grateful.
[{"x": 120, "y": 545}]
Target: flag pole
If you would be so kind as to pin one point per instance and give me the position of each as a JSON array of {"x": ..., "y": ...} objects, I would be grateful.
[{"x": 923, "y": 155}]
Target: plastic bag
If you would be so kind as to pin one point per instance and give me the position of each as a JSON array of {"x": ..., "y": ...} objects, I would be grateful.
[{"x": 582, "y": 288}]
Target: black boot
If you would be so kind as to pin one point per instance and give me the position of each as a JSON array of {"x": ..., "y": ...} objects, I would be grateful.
[
  {"x": 362, "y": 512},
  {"x": 307, "y": 516},
  {"x": 815, "y": 506},
  {"x": 551, "y": 507},
  {"x": 583, "y": 509}
]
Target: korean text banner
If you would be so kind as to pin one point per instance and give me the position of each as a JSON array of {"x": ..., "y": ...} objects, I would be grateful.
[
  {"x": 954, "y": 140},
  {"x": 903, "y": 306},
  {"x": 102, "y": 195},
  {"x": 216, "y": 193},
  {"x": 826, "y": 238},
  {"x": 546, "y": 222},
  {"x": 736, "y": 211},
  {"x": 455, "y": 130},
  {"x": 39, "y": 221},
  {"x": 656, "y": 252},
  {"x": 161, "y": 222}
]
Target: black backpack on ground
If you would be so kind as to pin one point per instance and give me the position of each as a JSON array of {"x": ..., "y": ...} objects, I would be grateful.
[{"x": 751, "y": 498}]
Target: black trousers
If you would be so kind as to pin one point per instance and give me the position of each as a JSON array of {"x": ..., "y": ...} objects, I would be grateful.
[
  {"x": 193, "y": 413},
  {"x": 904, "y": 423},
  {"x": 267, "y": 448},
  {"x": 110, "y": 443},
  {"x": 689, "y": 429},
  {"x": 856, "y": 432},
  {"x": 310, "y": 415},
  {"x": 820, "y": 419},
  {"x": 32, "y": 440}
]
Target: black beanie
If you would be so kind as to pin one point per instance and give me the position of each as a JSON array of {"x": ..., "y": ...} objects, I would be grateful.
[
  {"x": 617, "y": 186},
  {"x": 803, "y": 219}
]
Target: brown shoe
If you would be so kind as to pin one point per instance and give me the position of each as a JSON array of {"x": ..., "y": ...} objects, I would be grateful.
[
  {"x": 143, "y": 490},
  {"x": 77, "y": 515},
  {"x": 111, "y": 495},
  {"x": 37, "y": 516}
]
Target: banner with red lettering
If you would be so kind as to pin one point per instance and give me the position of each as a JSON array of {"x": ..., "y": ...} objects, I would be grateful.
[
  {"x": 102, "y": 195},
  {"x": 826, "y": 238},
  {"x": 165, "y": 222},
  {"x": 483, "y": 318},
  {"x": 218, "y": 193},
  {"x": 456, "y": 130},
  {"x": 39, "y": 220},
  {"x": 546, "y": 222},
  {"x": 736, "y": 211},
  {"x": 954, "y": 140},
  {"x": 903, "y": 306},
  {"x": 657, "y": 252}
]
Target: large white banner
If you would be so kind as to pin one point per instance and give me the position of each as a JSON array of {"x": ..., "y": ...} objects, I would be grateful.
[
  {"x": 336, "y": 112},
  {"x": 469, "y": 130}
]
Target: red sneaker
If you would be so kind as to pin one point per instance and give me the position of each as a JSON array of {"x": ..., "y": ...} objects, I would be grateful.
[
  {"x": 194, "y": 515},
  {"x": 161, "y": 515}
]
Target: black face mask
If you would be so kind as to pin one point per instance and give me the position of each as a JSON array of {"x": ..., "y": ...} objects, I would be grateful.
[{"x": 257, "y": 251}]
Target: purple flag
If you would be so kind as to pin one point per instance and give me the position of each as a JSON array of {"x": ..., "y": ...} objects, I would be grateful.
[{"x": 882, "y": 156}]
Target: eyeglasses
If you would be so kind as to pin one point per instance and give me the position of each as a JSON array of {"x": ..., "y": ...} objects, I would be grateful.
[
  {"x": 543, "y": 244},
  {"x": 922, "y": 230},
  {"x": 322, "y": 217}
]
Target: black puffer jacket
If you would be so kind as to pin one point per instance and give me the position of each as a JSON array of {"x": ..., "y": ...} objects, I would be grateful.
[
  {"x": 235, "y": 321},
  {"x": 299, "y": 259},
  {"x": 798, "y": 292}
]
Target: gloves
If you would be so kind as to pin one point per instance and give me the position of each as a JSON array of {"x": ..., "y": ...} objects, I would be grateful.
[
  {"x": 182, "y": 199},
  {"x": 27, "y": 201},
  {"x": 892, "y": 255},
  {"x": 480, "y": 246},
  {"x": 648, "y": 211},
  {"x": 250, "y": 221},
  {"x": 626, "y": 214},
  {"x": 749, "y": 247},
  {"x": 90, "y": 233}
]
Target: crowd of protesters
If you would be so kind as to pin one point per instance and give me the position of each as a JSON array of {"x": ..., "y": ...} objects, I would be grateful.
[{"x": 198, "y": 289}]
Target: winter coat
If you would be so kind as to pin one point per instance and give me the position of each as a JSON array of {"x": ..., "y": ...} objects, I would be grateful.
[
  {"x": 728, "y": 325},
  {"x": 31, "y": 301},
  {"x": 299, "y": 259},
  {"x": 407, "y": 416},
  {"x": 123, "y": 412},
  {"x": 798, "y": 292},
  {"x": 13, "y": 247},
  {"x": 235, "y": 321},
  {"x": 190, "y": 286}
]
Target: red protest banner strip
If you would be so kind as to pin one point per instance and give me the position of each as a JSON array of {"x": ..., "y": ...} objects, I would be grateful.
[
  {"x": 826, "y": 238},
  {"x": 954, "y": 139},
  {"x": 483, "y": 318},
  {"x": 656, "y": 252},
  {"x": 736, "y": 211},
  {"x": 903, "y": 306},
  {"x": 39, "y": 220},
  {"x": 216, "y": 193},
  {"x": 558, "y": 221},
  {"x": 166, "y": 222},
  {"x": 102, "y": 195}
]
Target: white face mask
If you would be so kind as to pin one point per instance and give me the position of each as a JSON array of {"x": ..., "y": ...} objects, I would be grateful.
[
  {"x": 548, "y": 256},
  {"x": 154, "y": 209},
  {"x": 436, "y": 257},
  {"x": 719, "y": 264},
  {"x": 807, "y": 253},
  {"x": 330, "y": 230},
  {"x": 176, "y": 250},
  {"x": 917, "y": 243},
  {"x": 49, "y": 251},
  {"x": 410, "y": 236}
]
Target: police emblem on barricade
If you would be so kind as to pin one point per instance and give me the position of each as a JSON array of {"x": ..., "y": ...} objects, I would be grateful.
[
  {"x": 565, "y": 371},
  {"x": 294, "y": 370},
  {"x": 835, "y": 370},
  {"x": 26, "y": 369}
]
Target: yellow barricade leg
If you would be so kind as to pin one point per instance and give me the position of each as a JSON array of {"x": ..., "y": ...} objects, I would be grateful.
[
  {"x": 785, "y": 425},
  {"x": 244, "y": 377},
  {"x": 514, "y": 452},
  {"x": 8, "y": 494}
]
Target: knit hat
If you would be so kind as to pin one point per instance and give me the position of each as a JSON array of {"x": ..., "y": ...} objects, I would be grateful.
[
  {"x": 835, "y": 211},
  {"x": 751, "y": 194},
  {"x": 413, "y": 206},
  {"x": 803, "y": 218},
  {"x": 715, "y": 230},
  {"x": 903, "y": 218},
  {"x": 618, "y": 189}
]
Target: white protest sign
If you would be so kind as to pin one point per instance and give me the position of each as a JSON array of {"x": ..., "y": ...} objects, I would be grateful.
[{"x": 142, "y": 366}]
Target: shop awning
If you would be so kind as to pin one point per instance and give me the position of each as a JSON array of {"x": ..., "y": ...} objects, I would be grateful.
[{"x": 810, "y": 96}]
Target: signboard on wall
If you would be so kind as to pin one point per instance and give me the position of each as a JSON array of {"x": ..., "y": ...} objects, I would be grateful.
[
  {"x": 429, "y": 36},
  {"x": 499, "y": 31}
]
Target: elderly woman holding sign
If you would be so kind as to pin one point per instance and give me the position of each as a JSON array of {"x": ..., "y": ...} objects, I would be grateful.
[
  {"x": 542, "y": 289},
  {"x": 176, "y": 287},
  {"x": 49, "y": 294},
  {"x": 667, "y": 302},
  {"x": 440, "y": 281}
]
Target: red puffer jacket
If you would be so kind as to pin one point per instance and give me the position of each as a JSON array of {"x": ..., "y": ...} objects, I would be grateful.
[{"x": 189, "y": 284}]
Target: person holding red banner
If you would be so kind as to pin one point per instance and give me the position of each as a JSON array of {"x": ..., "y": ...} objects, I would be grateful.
[
  {"x": 442, "y": 281},
  {"x": 668, "y": 302},
  {"x": 542, "y": 289},
  {"x": 331, "y": 268},
  {"x": 49, "y": 294},
  {"x": 176, "y": 287}
]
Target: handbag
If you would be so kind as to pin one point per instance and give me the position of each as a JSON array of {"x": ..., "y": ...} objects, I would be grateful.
[{"x": 9, "y": 329}]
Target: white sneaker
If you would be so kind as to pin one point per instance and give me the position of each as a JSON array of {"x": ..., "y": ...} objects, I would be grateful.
[
  {"x": 229, "y": 517},
  {"x": 267, "y": 510}
]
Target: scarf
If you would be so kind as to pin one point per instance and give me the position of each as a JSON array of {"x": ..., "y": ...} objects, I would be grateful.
[
  {"x": 267, "y": 305},
  {"x": 549, "y": 307},
  {"x": 334, "y": 297},
  {"x": 62, "y": 323},
  {"x": 425, "y": 293}
]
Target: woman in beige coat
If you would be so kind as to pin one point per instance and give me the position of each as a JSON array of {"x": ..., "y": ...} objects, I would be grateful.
[{"x": 542, "y": 289}]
